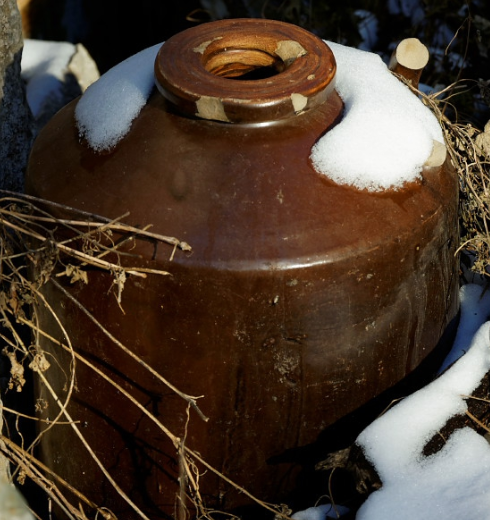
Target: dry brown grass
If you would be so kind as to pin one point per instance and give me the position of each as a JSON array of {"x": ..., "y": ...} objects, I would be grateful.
[
  {"x": 469, "y": 150},
  {"x": 30, "y": 257}
]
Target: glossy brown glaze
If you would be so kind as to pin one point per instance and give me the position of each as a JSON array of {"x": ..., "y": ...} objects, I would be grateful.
[{"x": 302, "y": 300}]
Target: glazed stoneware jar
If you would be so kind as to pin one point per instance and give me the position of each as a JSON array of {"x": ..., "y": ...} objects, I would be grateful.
[{"x": 303, "y": 304}]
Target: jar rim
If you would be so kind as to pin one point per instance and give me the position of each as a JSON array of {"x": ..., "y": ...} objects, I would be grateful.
[{"x": 205, "y": 70}]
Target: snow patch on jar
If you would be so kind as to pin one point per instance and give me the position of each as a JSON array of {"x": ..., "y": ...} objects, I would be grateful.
[
  {"x": 108, "y": 107},
  {"x": 385, "y": 138},
  {"x": 386, "y": 134}
]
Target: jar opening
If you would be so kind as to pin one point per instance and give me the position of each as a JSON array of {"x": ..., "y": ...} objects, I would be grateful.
[
  {"x": 244, "y": 64},
  {"x": 279, "y": 71}
]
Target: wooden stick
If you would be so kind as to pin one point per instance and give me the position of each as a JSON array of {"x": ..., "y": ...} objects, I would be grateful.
[
  {"x": 409, "y": 59},
  {"x": 438, "y": 155}
]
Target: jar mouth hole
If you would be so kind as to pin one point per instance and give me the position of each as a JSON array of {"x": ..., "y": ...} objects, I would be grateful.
[
  {"x": 278, "y": 70},
  {"x": 244, "y": 64}
]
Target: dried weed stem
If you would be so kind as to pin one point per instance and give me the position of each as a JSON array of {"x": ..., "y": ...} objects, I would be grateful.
[
  {"x": 31, "y": 257},
  {"x": 469, "y": 151}
]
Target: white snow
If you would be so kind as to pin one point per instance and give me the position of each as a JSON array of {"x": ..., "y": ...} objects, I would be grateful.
[
  {"x": 409, "y": 8},
  {"x": 12, "y": 504},
  {"x": 386, "y": 134},
  {"x": 475, "y": 311},
  {"x": 442, "y": 59},
  {"x": 452, "y": 484},
  {"x": 320, "y": 512},
  {"x": 368, "y": 29},
  {"x": 383, "y": 140},
  {"x": 44, "y": 66},
  {"x": 442, "y": 37},
  {"x": 455, "y": 482},
  {"x": 108, "y": 107}
]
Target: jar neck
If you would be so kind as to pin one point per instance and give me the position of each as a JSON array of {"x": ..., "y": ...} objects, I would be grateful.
[{"x": 245, "y": 71}]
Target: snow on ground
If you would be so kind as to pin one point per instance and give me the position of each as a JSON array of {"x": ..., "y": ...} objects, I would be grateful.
[
  {"x": 412, "y": 9},
  {"x": 455, "y": 482},
  {"x": 12, "y": 503},
  {"x": 368, "y": 29},
  {"x": 54, "y": 73},
  {"x": 44, "y": 66},
  {"x": 321, "y": 512},
  {"x": 475, "y": 311},
  {"x": 383, "y": 140}
]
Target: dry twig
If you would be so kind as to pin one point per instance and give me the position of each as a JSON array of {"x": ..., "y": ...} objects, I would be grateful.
[{"x": 28, "y": 240}]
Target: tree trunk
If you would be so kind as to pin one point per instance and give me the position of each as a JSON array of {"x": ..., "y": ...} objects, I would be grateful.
[
  {"x": 16, "y": 136},
  {"x": 16, "y": 128}
]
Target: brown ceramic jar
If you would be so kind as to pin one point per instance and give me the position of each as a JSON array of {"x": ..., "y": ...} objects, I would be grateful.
[{"x": 302, "y": 300}]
